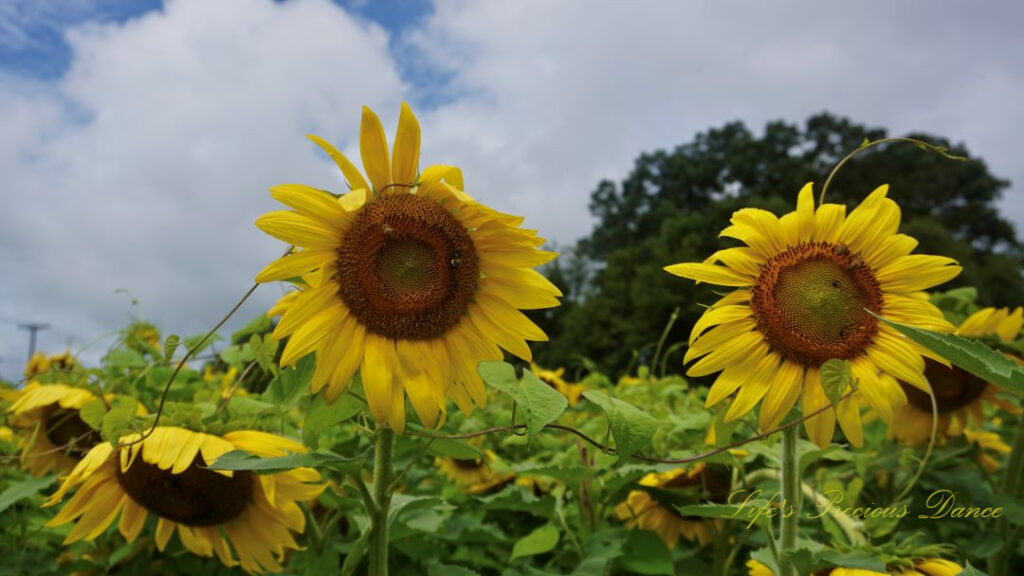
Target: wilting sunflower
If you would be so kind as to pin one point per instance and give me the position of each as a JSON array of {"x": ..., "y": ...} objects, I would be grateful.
[
  {"x": 54, "y": 437},
  {"x": 644, "y": 511},
  {"x": 475, "y": 476},
  {"x": 959, "y": 395},
  {"x": 553, "y": 378},
  {"x": 214, "y": 512},
  {"x": 804, "y": 283},
  {"x": 918, "y": 567},
  {"x": 409, "y": 280}
]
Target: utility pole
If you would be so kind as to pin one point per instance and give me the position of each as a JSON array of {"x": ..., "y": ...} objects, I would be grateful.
[{"x": 32, "y": 329}]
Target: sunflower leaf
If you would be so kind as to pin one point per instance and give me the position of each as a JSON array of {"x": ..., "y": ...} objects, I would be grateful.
[
  {"x": 93, "y": 413},
  {"x": 835, "y": 378},
  {"x": 541, "y": 540},
  {"x": 632, "y": 428},
  {"x": 970, "y": 355},
  {"x": 23, "y": 489},
  {"x": 171, "y": 345},
  {"x": 320, "y": 416},
  {"x": 242, "y": 460},
  {"x": 540, "y": 403},
  {"x": 118, "y": 419}
]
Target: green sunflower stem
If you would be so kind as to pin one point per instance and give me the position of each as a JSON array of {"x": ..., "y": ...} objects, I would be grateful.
[
  {"x": 790, "y": 513},
  {"x": 998, "y": 564},
  {"x": 382, "y": 473}
]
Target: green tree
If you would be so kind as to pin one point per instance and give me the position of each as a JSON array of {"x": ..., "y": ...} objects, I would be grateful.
[{"x": 672, "y": 205}]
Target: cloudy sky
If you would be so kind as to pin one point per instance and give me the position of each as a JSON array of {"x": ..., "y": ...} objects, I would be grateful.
[{"x": 138, "y": 139}]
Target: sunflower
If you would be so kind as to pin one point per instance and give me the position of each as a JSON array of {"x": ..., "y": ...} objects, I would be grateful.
[
  {"x": 55, "y": 437},
  {"x": 642, "y": 510},
  {"x": 959, "y": 395},
  {"x": 473, "y": 476},
  {"x": 215, "y": 512},
  {"x": 283, "y": 303},
  {"x": 987, "y": 442},
  {"x": 409, "y": 280},
  {"x": 553, "y": 378},
  {"x": 804, "y": 285},
  {"x": 37, "y": 364},
  {"x": 920, "y": 567}
]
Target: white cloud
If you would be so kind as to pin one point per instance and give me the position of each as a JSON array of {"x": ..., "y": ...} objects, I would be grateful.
[
  {"x": 550, "y": 97},
  {"x": 145, "y": 166}
]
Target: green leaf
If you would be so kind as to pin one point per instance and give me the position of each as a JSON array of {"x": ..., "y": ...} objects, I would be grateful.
[
  {"x": 171, "y": 345},
  {"x": 632, "y": 428},
  {"x": 292, "y": 382},
  {"x": 435, "y": 568},
  {"x": 320, "y": 416},
  {"x": 540, "y": 403},
  {"x": 406, "y": 503},
  {"x": 541, "y": 540},
  {"x": 971, "y": 571},
  {"x": 242, "y": 460},
  {"x": 125, "y": 358},
  {"x": 835, "y": 378},
  {"x": 355, "y": 555},
  {"x": 119, "y": 418},
  {"x": 971, "y": 355},
  {"x": 93, "y": 413},
  {"x": 193, "y": 341},
  {"x": 645, "y": 553},
  {"x": 854, "y": 559},
  {"x": 451, "y": 448},
  {"x": 259, "y": 353},
  {"x": 248, "y": 406},
  {"x": 23, "y": 489},
  {"x": 257, "y": 325}
]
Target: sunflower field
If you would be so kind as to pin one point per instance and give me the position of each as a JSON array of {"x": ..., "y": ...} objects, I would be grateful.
[{"x": 827, "y": 398}]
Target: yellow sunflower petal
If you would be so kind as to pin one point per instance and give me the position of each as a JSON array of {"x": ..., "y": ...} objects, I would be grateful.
[
  {"x": 917, "y": 272},
  {"x": 373, "y": 147},
  {"x": 407, "y": 147},
  {"x": 377, "y": 376},
  {"x": 710, "y": 273},
  {"x": 348, "y": 169}
]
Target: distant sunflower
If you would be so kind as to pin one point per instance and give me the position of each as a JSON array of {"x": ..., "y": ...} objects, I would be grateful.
[
  {"x": 473, "y": 476},
  {"x": 410, "y": 281},
  {"x": 919, "y": 567},
  {"x": 38, "y": 363},
  {"x": 54, "y": 436},
  {"x": 987, "y": 443},
  {"x": 804, "y": 283},
  {"x": 643, "y": 511},
  {"x": 214, "y": 512},
  {"x": 959, "y": 395},
  {"x": 553, "y": 378}
]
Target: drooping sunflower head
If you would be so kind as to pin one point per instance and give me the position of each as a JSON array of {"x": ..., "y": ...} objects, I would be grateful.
[
  {"x": 54, "y": 437},
  {"x": 38, "y": 364},
  {"x": 243, "y": 519},
  {"x": 654, "y": 510},
  {"x": 475, "y": 476},
  {"x": 407, "y": 279},
  {"x": 960, "y": 396},
  {"x": 804, "y": 286}
]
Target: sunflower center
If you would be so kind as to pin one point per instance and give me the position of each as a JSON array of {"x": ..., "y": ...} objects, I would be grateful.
[
  {"x": 407, "y": 268},
  {"x": 809, "y": 302},
  {"x": 469, "y": 464},
  {"x": 196, "y": 497},
  {"x": 954, "y": 388},
  {"x": 65, "y": 428}
]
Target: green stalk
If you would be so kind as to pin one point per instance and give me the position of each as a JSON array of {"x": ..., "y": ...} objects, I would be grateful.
[
  {"x": 382, "y": 472},
  {"x": 790, "y": 481},
  {"x": 999, "y": 563}
]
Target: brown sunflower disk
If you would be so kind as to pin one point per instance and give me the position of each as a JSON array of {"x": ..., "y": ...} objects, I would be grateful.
[
  {"x": 954, "y": 388},
  {"x": 195, "y": 497},
  {"x": 809, "y": 301},
  {"x": 65, "y": 429},
  {"x": 407, "y": 268}
]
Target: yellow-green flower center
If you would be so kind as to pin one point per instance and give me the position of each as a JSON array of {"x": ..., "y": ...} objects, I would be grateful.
[
  {"x": 195, "y": 497},
  {"x": 811, "y": 300},
  {"x": 407, "y": 268}
]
